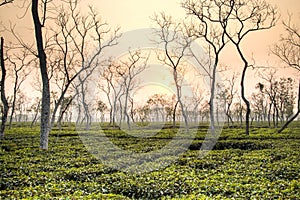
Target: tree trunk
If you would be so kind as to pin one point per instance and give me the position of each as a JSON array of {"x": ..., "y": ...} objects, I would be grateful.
[
  {"x": 63, "y": 111},
  {"x": 295, "y": 116},
  {"x": 248, "y": 110},
  {"x": 174, "y": 114},
  {"x": 178, "y": 89},
  {"x": 269, "y": 115},
  {"x": 247, "y": 120},
  {"x": 13, "y": 102},
  {"x": 35, "y": 116},
  {"x": 3, "y": 97},
  {"x": 241, "y": 115},
  {"x": 45, "y": 113},
  {"x": 126, "y": 115},
  {"x": 229, "y": 119},
  {"x": 58, "y": 104}
]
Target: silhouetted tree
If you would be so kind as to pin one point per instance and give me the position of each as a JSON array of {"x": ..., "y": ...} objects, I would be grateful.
[{"x": 247, "y": 16}]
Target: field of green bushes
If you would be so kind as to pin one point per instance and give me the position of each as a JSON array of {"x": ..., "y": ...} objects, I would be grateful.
[{"x": 264, "y": 165}]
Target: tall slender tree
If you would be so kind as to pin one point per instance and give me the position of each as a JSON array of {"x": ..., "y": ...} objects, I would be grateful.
[
  {"x": 45, "y": 113},
  {"x": 176, "y": 42},
  {"x": 3, "y": 95},
  {"x": 207, "y": 17},
  {"x": 247, "y": 16}
]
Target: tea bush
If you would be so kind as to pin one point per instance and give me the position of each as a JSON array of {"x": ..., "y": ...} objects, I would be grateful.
[{"x": 263, "y": 165}]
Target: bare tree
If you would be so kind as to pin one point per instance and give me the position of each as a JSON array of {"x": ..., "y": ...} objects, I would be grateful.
[
  {"x": 20, "y": 70},
  {"x": 207, "y": 17},
  {"x": 272, "y": 92},
  {"x": 112, "y": 88},
  {"x": 176, "y": 42},
  {"x": 3, "y": 95},
  {"x": 247, "y": 17},
  {"x": 128, "y": 70},
  {"x": 81, "y": 93},
  {"x": 239, "y": 110},
  {"x": 260, "y": 102},
  {"x": 35, "y": 107},
  {"x": 157, "y": 103},
  {"x": 68, "y": 55},
  {"x": 45, "y": 112},
  {"x": 74, "y": 34},
  {"x": 228, "y": 94},
  {"x": 65, "y": 105},
  {"x": 287, "y": 50},
  {"x": 2, "y": 82},
  {"x": 285, "y": 98}
]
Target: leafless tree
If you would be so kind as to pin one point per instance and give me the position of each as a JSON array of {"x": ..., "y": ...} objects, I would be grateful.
[
  {"x": 112, "y": 88},
  {"x": 73, "y": 47},
  {"x": 65, "y": 105},
  {"x": 35, "y": 107},
  {"x": 239, "y": 110},
  {"x": 128, "y": 71},
  {"x": 176, "y": 42},
  {"x": 287, "y": 50},
  {"x": 228, "y": 94},
  {"x": 39, "y": 23},
  {"x": 247, "y": 17},
  {"x": 157, "y": 103},
  {"x": 197, "y": 99},
  {"x": 3, "y": 95},
  {"x": 143, "y": 113},
  {"x": 20, "y": 63},
  {"x": 5, "y": 107},
  {"x": 81, "y": 95},
  {"x": 271, "y": 92},
  {"x": 259, "y": 103},
  {"x": 74, "y": 35},
  {"x": 207, "y": 17},
  {"x": 280, "y": 97}
]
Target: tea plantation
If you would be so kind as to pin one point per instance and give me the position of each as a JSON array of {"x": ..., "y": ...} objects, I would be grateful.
[{"x": 264, "y": 165}]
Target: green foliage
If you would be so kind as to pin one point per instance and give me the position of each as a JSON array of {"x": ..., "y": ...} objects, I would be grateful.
[{"x": 263, "y": 165}]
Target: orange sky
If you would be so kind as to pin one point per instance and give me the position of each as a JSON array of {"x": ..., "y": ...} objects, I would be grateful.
[{"x": 135, "y": 14}]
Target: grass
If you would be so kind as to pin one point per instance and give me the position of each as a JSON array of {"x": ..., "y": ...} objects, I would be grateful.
[{"x": 264, "y": 165}]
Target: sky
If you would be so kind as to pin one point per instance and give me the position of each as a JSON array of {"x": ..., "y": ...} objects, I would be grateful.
[{"x": 135, "y": 14}]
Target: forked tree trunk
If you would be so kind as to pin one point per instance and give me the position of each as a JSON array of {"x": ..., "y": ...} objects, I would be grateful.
[
  {"x": 178, "y": 90},
  {"x": 35, "y": 115},
  {"x": 62, "y": 112},
  {"x": 3, "y": 97},
  {"x": 45, "y": 113}
]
